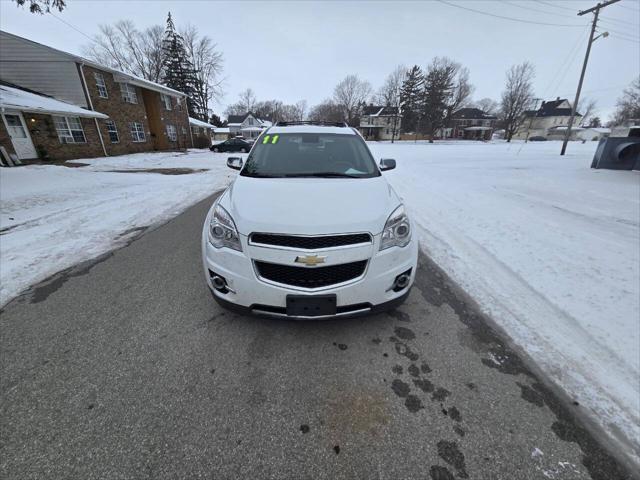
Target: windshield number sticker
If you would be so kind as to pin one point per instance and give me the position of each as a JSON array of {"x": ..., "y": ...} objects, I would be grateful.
[{"x": 268, "y": 139}]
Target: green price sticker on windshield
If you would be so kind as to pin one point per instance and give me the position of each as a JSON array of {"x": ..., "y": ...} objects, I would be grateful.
[{"x": 268, "y": 139}]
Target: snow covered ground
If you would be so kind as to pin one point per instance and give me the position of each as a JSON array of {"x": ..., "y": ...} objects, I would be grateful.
[
  {"x": 53, "y": 217},
  {"x": 549, "y": 248}
]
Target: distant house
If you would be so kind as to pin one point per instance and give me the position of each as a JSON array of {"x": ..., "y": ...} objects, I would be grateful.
[
  {"x": 108, "y": 112},
  {"x": 470, "y": 124},
  {"x": 549, "y": 121},
  {"x": 594, "y": 133},
  {"x": 247, "y": 125},
  {"x": 201, "y": 132},
  {"x": 380, "y": 123},
  {"x": 220, "y": 134},
  {"x": 625, "y": 128}
]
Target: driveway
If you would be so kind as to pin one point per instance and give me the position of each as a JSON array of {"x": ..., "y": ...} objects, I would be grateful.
[{"x": 125, "y": 368}]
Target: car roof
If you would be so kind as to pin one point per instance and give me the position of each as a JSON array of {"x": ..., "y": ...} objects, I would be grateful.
[{"x": 311, "y": 129}]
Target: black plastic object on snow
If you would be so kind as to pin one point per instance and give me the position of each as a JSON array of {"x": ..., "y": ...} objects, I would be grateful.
[{"x": 618, "y": 153}]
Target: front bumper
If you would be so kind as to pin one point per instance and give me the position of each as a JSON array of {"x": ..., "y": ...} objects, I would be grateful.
[{"x": 248, "y": 293}]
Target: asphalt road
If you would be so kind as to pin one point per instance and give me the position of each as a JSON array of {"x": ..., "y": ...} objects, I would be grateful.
[{"x": 125, "y": 368}]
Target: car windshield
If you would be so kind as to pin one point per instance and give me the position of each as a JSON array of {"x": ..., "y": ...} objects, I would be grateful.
[{"x": 310, "y": 155}]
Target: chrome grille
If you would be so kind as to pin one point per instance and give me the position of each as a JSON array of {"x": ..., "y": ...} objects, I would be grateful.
[{"x": 309, "y": 242}]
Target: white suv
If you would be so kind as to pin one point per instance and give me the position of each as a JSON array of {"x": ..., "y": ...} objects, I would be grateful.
[{"x": 309, "y": 228}]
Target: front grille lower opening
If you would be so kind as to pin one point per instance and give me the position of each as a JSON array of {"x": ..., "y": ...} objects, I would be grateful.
[{"x": 283, "y": 311}]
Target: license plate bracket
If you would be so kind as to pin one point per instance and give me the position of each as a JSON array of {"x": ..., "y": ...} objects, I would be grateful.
[{"x": 311, "y": 305}]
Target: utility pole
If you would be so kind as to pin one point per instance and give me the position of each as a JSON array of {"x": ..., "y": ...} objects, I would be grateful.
[{"x": 596, "y": 11}]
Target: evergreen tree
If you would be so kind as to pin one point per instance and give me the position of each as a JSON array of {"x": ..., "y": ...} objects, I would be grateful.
[
  {"x": 179, "y": 73},
  {"x": 215, "y": 120},
  {"x": 411, "y": 99},
  {"x": 439, "y": 83}
]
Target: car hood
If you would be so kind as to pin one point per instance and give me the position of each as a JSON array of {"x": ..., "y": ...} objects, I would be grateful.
[{"x": 310, "y": 205}]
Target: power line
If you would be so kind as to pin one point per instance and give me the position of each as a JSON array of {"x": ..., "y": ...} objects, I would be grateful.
[
  {"x": 556, "y": 6},
  {"x": 622, "y": 34},
  {"x": 607, "y": 19},
  {"x": 629, "y": 8},
  {"x": 508, "y": 18},
  {"x": 625, "y": 39},
  {"x": 546, "y": 12},
  {"x": 71, "y": 26},
  {"x": 620, "y": 87},
  {"x": 612, "y": 27},
  {"x": 566, "y": 64}
]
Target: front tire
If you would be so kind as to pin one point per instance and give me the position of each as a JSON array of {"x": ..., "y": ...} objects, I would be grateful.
[{"x": 216, "y": 150}]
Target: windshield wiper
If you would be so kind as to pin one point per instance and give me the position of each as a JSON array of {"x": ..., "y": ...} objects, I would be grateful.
[{"x": 260, "y": 175}]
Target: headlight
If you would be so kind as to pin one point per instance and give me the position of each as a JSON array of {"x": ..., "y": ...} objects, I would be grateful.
[
  {"x": 397, "y": 230},
  {"x": 223, "y": 231}
]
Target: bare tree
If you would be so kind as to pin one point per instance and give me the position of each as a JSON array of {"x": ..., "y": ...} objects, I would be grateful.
[
  {"x": 389, "y": 95},
  {"x": 42, "y": 6},
  {"x": 326, "y": 111},
  {"x": 517, "y": 97},
  {"x": 487, "y": 105},
  {"x": 460, "y": 95},
  {"x": 628, "y": 105},
  {"x": 247, "y": 102},
  {"x": 299, "y": 110},
  {"x": 350, "y": 94},
  {"x": 207, "y": 63},
  {"x": 125, "y": 48},
  {"x": 587, "y": 107},
  {"x": 248, "y": 99}
]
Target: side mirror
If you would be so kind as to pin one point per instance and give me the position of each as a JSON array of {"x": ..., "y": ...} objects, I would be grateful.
[
  {"x": 387, "y": 164},
  {"x": 234, "y": 162}
]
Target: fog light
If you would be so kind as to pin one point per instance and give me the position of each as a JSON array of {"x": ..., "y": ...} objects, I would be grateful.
[
  {"x": 219, "y": 283},
  {"x": 401, "y": 281}
]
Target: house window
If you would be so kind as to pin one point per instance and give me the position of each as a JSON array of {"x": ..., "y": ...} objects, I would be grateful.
[
  {"x": 137, "y": 132},
  {"x": 69, "y": 130},
  {"x": 184, "y": 130},
  {"x": 128, "y": 93},
  {"x": 102, "y": 87},
  {"x": 113, "y": 131},
  {"x": 179, "y": 103},
  {"x": 166, "y": 100},
  {"x": 172, "y": 133}
]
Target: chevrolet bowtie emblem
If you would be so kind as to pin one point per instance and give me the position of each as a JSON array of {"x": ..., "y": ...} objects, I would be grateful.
[{"x": 310, "y": 260}]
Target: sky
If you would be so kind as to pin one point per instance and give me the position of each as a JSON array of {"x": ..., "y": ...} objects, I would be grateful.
[{"x": 295, "y": 50}]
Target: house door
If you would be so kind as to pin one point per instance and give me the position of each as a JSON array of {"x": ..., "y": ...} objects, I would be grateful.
[{"x": 19, "y": 135}]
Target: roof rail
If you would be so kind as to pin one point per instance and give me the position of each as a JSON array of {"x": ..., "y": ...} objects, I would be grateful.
[{"x": 311, "y": 122}]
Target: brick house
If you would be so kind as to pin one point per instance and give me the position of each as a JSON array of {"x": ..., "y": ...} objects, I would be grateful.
[
  {"x": 469, "y": 124},
  {"x": 135, "y": 115},
  {"x": 201, "y": 132}
]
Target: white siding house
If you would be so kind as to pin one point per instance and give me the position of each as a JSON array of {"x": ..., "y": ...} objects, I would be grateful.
[
  {"x": 551, "y": 118},
  {"x": 247, "y": 125},
  {"x": 40, "y": 68}
]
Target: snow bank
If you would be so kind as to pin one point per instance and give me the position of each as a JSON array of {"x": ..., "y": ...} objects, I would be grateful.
[
  {"x": 53, "y": 217},
  {"x": 549, "y": 248}
]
